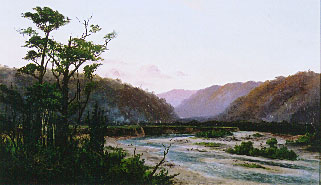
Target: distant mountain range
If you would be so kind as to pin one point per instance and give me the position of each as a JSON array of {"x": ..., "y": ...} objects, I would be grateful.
[
  {"x": 176, "y": 96},
  {"x": 213, "y": 100},
  {"x": 295, "y": 98}
]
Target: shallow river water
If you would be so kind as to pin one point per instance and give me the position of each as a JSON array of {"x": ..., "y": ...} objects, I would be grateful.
[{"x": 216, "y": 163}]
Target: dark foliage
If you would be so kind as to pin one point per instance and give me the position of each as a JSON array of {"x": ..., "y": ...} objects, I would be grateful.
[
  {"x": 257, "y": 135},
  {"x": 273, "y": 127},
  {"x": 76, "y": 165},
  {"x": 214, "y": 134}
]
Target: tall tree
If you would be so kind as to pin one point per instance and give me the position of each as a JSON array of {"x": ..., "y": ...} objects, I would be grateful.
[
  {"x": 78, "y": 53},
  {"x": 46, "y": 21},
  {"x": 40, "y": 45}
]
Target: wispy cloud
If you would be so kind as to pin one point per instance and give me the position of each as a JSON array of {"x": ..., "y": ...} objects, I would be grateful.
[
  {"x": 181, "y": 74},
  {"x": 152, "y": 71},
  {"x": 195, "y": 5}
]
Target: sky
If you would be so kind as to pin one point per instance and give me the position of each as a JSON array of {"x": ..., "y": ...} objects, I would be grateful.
[{"x": 184, "y": 44}]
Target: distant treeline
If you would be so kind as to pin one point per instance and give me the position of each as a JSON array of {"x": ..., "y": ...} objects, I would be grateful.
[
  {"x": 273, "y": 127},
  {"x": 193, "y": 127},
  {"x": 153, "y": 130}
]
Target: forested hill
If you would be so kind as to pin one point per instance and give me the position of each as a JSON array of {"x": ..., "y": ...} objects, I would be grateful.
[
  {"x": 214, "y": 100},
  {"x": 295, "y": 99},
  {"x": 121, "y": 102}
]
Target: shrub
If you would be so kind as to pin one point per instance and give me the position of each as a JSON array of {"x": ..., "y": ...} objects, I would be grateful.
[
  {"x": 255, "y": 152},
  {"x": 257, "y": 135},
  {"x": 305, "y": 139},
  {"x": 242, "y": 149},
  {"x": 214, "y": 134},
  {"x": 312, "y": 140},
  {"x": 246, "y": 148},
  {"x": 272, "y": 142},
  {"x": 284, "y": 153}
]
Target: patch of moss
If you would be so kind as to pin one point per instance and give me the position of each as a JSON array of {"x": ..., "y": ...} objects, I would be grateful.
[{"x": 250, "y": 165}]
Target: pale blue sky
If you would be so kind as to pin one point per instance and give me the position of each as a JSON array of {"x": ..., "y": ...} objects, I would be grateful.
[{"x": 189, "y": 44}]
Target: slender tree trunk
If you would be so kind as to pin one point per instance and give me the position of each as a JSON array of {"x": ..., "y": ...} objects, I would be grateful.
[
  {"x": 43, "y": 56},
  {"x": 63, "y": 126}
]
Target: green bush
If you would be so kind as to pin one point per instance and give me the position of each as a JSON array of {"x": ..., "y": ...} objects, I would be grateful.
[
  {"x": 257, "y": 135},
  {"x": 246, "y": 148},
  {"x": 243, "y": 149},
  {"x": 272, "y": 142},
  {"x": 255, "y": 152},
  {"x": 284, "y": 153},
  {"x": 214, "y": 134},
  {"x": 305, "y": 139},
  {"x": 312, "y": 141}
]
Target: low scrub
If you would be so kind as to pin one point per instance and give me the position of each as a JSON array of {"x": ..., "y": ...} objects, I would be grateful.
[
  {"x": 257, "y": 135},
  {"x": 303, "y": 140},
  {"x": 206, "y": 144},
  {"x": 214, "y": 134},
  {"x": 312, "y": 141},
  {"x": 272, "y": 152}
]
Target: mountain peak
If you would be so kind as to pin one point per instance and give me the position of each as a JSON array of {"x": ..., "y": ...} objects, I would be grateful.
[{"x": 176, "y": 96}]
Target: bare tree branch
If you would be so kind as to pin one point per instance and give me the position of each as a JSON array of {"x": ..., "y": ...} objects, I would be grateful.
[
  {"x": 166, "y": 150},
  {"x": 76, "y": 68}
]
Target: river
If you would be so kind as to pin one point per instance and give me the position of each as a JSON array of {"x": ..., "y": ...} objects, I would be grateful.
[{"x": 215, "y": 163}]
